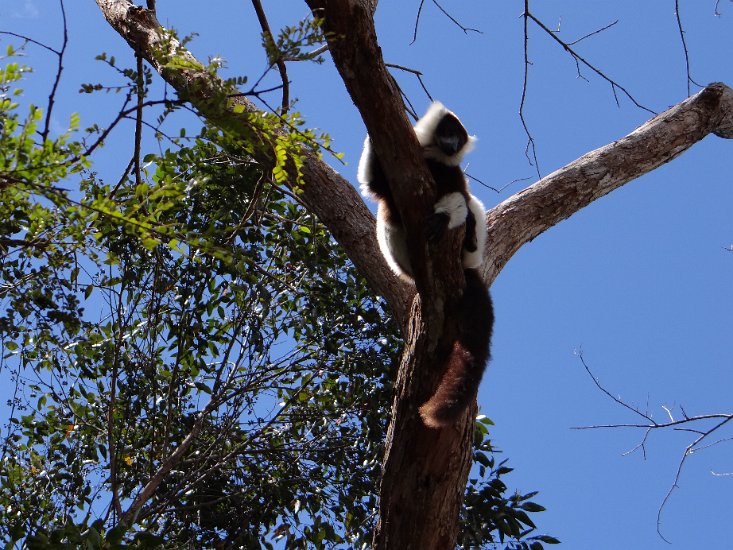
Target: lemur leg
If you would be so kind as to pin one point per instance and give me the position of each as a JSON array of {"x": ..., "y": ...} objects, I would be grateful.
[
  {"x": 475, "y": 241},
  {"x": 469, "y": 239}
]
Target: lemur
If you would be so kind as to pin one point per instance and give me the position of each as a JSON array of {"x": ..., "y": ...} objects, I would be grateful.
[{"x": 444, "y": 142}]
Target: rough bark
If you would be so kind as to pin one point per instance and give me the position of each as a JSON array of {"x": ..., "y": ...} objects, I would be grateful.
[{"x": 425, "y": 470}]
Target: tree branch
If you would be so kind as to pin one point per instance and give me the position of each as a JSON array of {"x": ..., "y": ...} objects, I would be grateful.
[
  {"x": 275, "y": 55},
  {"x": 527, "y": 214}
]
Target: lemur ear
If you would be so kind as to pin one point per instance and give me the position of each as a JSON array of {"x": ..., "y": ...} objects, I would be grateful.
[{"x": 450, "y": 135}]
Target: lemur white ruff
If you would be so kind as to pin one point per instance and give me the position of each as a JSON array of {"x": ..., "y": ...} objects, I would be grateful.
[{"x": 444, "y": 141}]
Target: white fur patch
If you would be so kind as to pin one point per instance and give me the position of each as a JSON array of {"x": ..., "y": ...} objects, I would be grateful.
[
  {"x": 473, "y": 260},
  {"x": 454, "y": 205},
  {"x": 364, "y": 171},
  {"x": 393, "y": 244},
  {"x": 426, "y": 125}
]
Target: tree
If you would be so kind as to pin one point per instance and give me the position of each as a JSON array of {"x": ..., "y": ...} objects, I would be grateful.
[
  {"x": 413, "y": 450},
  {"x": 232, "y": 388}
]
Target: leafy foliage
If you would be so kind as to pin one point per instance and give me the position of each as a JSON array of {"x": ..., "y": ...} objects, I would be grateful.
[
  {"x": 292, "y": 40},
  {"x": 487, "y": 513}
]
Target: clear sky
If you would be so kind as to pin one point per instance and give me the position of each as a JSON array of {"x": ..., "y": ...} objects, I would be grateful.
[{"x": 640, "y": 281}]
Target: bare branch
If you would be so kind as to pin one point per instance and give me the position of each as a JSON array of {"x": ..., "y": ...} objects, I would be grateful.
[
  {"x": 614, "y": 85},
  {"x": 418, "y": 75},
  {"x": 681, "y": 30},
  {"x": 59, "y": 70},
  {"x": 272, "y": 48},
  {"x": 492, "y": 188},
  {"x": 465, "y": 30},
  {"x": 691, "y": 448},
  {"x": 716, "y": 11},
  {"x": 417, "y": 21},
  {"x": 139, "y": 118},
  {"x": 617, "y": 400},
  {"x": 672, "y": 423},
  {"x": 527, "y": 214},
  {"x": 31, "y": 41},
  {"x": 574, "y": 42},
  {"x": 530, "y": 151}
]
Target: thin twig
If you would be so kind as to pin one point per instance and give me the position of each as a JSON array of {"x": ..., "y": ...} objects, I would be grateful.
[
  {"x": 59, "y": 70},
  {"x": 418, "y": 75},
  {"x": 274, "y": 50},
  {"x": 684, "y": 48},
  {"x": 32, "y": 41},
  {"x": 491, "y": 187},
  {"x": 455, "y": 21},
  {"x": 617, "y": 400},
  {"x": 530, "y": 150},
  {"x": 691, "y": 448},
  {"x": 573, "y": 43},
  {"x": 614, "y": 85},
  {"x": 139, "y": 119},
  {"x": 465, "y": 29},
  {"x": 417, "y": 21},
  {"x": 672, "y": 423}
]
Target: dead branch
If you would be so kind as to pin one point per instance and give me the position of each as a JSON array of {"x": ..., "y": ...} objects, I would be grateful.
[
  {"x": 465, "y": 29},
  {"x": 581, "y": 60},
  {"x": 683, "y": 40},
  {"x": 530, "y": 150},
  {"x": 278, "y": 58},
  {"x": 593, "y": 33},
  {"x": 649, "y": 424}
]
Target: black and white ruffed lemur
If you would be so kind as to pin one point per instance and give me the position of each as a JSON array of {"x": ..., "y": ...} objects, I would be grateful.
[{"x": 444, "y": 142}]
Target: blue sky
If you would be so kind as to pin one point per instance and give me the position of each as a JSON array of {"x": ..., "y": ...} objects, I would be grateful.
[{"x": 640, "y": 280}]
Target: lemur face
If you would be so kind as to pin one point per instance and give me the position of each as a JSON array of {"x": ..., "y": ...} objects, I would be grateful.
[{"x": 450, "y": 135}]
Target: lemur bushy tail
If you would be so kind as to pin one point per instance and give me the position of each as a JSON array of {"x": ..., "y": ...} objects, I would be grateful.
[{"x": 468, "y": 358}]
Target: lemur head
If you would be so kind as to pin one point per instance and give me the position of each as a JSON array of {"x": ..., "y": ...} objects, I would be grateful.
[{"x": 442, "y": 135}]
